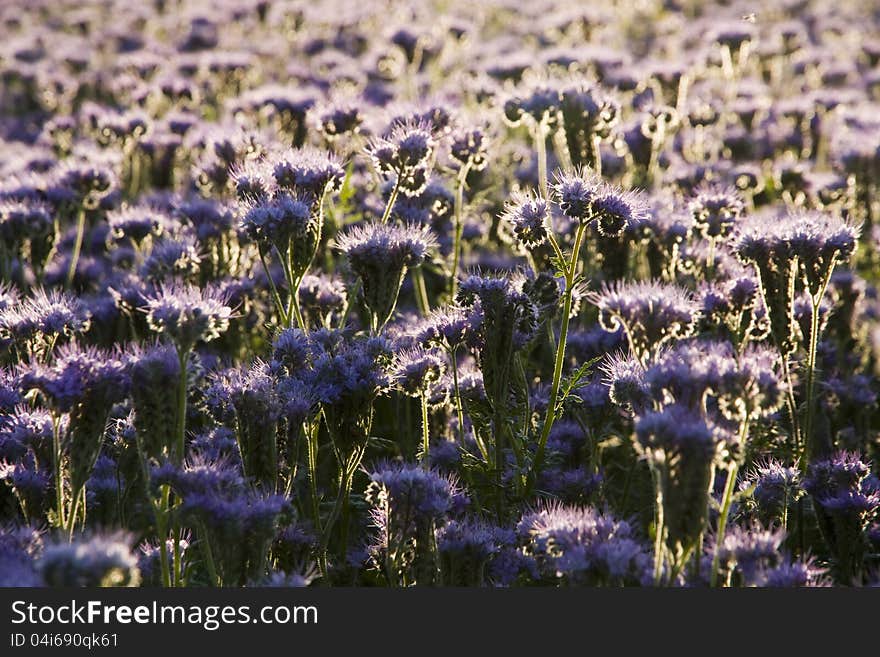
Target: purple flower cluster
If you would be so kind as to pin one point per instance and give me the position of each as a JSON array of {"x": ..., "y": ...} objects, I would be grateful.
[{"x": 384, "y": 295}]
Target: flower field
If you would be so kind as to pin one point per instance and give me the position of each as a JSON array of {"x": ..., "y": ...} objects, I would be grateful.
[{"x": 472, "y": 294}]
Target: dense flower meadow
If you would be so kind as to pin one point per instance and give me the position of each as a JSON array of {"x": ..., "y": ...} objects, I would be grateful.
[{"x": 439, "y": 293}]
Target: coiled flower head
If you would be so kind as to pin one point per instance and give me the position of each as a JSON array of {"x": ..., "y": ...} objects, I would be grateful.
[
  {"x": 405, "y": 156},
  {"x": 716, "y": 210},
  {"x": 586, "y": 198},
  {"x": 682, "y": 447},
  {"x": 415, "y": 371},
  {"x": 652, "y": 313},
  {"x": 380, "y": 254},
  {"x": 529, "y": 217},
  {"x": 97, "y": 561},
  {"x": 188, "y": 314},
  {"x": 582, "y": 546}
]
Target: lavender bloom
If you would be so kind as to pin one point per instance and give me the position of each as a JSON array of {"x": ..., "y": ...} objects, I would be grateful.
[
  {"x": 248, "y": 400},
  {"x": 136, "y": 223},
  {"x": 580, "y": 546},
  {"x": 468, "y": 148},
  {"x": 652, "y": 313},
  {"x": 322, "y": 298},
  {"x": 404, "y": 155},
  {"x": 83, "y": 382},
  {"x": 529, "y": 218},
  {"x": 682, "y": 449},
  {"x": 797, "y": 574},
  {"x": 44, "y": 315},
  {"x": 715, "y": 210},
  {"x": 340, "y": 117},
  {"x": 346, "y": 381},
  {"x": 587, "y": 199},
  {"x": 82, "y": 184},
  {"x": 307, "y": 170},
  {"x": 465, "y": 548},
  {"x": 589, "y": 115},
  {"x": 28, "y": 482},
  {"x": 381, "y": 254},
  {"x": 103, "y": 490},
  {"x": 104, "y": 561},
  {"x": 27, "y": 230},
  {"x": 188, "y": 315},
  {"x": 406, "y": 501},
  {"x": 809, "y": 243},
  {"x": 416, "y": 371},
  {"x": 172, "y": 259},
  {"x": 845, "y": 500},
  {"x": 447, "y": 327},
  {"x": 749, "y": 553},
  {"x": 537, "y": 101},
  {"x": 288, "y": 222},
  {"x": 20, "y": 547},
  {"x": 745, "y": 386},
  {"x": 774, "y": 487},
  {"x": 240, "y": 526},
  {"x": 155, "y": 382},
  {"x": 413, "y": 492},
  {"x": 625, "y": 378},
  {"x": 25, "y": 428}
]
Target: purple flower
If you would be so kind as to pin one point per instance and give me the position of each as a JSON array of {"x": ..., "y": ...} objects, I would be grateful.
[
  {"x": 380, "y": 255},
  {"x": 96, "y": 561},
  {"x": 404, "y": 155},
  {"x": 715, "y": 210},
  {"x": 187, "y": 314},
  {"x": 651, "y": 313},
  {"x": 50, "y": 314},
  {"x": 529, "y": 218},
  {"x": 413, "y": 492},
  {"x": 415, "y": 371},
  {"x": 581, "y": 546}
]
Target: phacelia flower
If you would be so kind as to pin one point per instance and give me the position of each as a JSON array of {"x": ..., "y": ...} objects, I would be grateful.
[
  {"x": 651, "y": 313},
  {"x": 187, "y": 314},
  {"x": 715, "y": 210},
  {"x": 529, "y": 217},
  {"x": 381, "y": 254},
  {"x": 405, "y": 156},
  {"x": 97, "y": 561}
]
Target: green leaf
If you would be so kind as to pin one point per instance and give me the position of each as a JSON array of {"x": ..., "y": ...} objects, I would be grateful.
[{"x": 572, "y": 382}]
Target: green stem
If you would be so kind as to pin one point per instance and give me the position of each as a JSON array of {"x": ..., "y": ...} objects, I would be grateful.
[
  {"x": 297, "y": 313},
  {"x": 459, "y": 227},
  {"x": 279, "y": 305},
  {"x": 313, "y": 474},
  {"x": 421, "y": 292},
  {"x": 541, "y": 147},
  {"x": 209, "y": 557},
  {"x": 425, "y": 433},
  {"x": 550, "y": 417},
  {"x": 72, "y": 516},
  {"x": 180, "y": 456},
  {"x": 458, "y": 409},
  {"x": 180, "y": 429},
  {"x": 808, "y": 441},
  {"x": 659, "y": 526},
  {"x": 178, "y": 557},
  {"x": 726, "y": 501},
  {"x": 792, "y": 405},
  {"x": 77, "y": 246},
  {"x": 391, "y": 201},
  {"x": 350, "y": 299},
  {"x": 162, "y": 531},
  {"x": 59, "y": 475}
]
